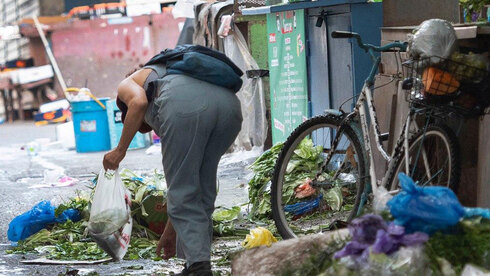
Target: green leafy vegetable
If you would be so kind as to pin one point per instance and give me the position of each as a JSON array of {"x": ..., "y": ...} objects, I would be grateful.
[
  {"x": 221, "y": 215},
  {"x": 468, "y": 242}
]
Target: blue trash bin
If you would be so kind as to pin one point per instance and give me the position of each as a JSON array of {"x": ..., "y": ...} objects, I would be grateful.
[
  {"x": 140, "y": 140},
  {"x": 91, "y": 126}
]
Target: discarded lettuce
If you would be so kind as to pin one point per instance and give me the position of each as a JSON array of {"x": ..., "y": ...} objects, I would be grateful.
[
  {"x": 303, "y": 165},
  {"x": 221, "y": 215}
]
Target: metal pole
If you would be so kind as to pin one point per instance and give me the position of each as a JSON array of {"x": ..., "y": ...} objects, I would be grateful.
[{"x": 50, "y": 55}]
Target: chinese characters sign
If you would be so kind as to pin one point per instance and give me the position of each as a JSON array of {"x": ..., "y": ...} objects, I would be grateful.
[{"x": 287, "y": 66}]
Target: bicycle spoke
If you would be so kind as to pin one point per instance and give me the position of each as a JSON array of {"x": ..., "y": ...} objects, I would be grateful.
[{"x": 310, "y": 199}]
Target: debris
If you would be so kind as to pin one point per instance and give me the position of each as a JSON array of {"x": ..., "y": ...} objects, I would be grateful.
[
  {"x": 467, "y": 242},
  {"x": 334, "y": 198},
  {"x": 263, "y": 168},
  {"x": 304, "y": 190},
  {"x": 371, "y": 234},
  {"x": 44, "y": 261},
  {"x": 258, "y": 237},
  {"x": 428, "y": 209},
  {"x": 303, "y": 207},
  {"x": 287, "y": 254},
  {"x": 228, "y": 222},
  {"x": 224, "y": 215},
  {"x": 303, "y": 165},
  {"x": 40, "y": 216},
  {"x": 148, "y": 205},
  {"x": 69, "y": 241},
  {"x": 134, "y": 267},
  {"x": 381, "y": 198},
  {"x": 154, "y": 149}
]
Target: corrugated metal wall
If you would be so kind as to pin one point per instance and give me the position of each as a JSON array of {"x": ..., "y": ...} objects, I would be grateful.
[{"x": 10, "y": 12}]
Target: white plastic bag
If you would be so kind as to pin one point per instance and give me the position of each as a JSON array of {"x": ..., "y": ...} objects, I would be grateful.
[
  {"x": 251, "y": 95},
  {"x": 381, "y": 197},
  {"x": 434, "y": 37},
  {"x": 110, "y": 220}
]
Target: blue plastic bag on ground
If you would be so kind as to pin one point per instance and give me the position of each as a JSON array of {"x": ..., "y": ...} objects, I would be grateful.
[
  {"x": 428, "y": 209},
  {"x": 32, "y": 221},
  {"x": 425, "y": 209}
]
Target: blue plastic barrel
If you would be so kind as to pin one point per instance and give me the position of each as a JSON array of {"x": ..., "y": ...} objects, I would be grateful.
[
  {"x": 91, "y": 126},
  {"x": 115, "y": 129}
]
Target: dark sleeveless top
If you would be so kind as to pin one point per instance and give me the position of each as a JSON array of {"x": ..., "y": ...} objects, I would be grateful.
[{"x": 158, "y": 71}]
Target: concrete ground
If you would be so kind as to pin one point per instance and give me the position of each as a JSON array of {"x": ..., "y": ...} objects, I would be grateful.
[{"x": 19, "y": 172}]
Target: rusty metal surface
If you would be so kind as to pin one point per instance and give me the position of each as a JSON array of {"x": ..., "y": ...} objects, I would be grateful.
[{"x": 102, "y": 51}]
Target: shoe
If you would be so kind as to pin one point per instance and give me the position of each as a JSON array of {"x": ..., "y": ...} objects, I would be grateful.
[{"x": 197, "y": 269}]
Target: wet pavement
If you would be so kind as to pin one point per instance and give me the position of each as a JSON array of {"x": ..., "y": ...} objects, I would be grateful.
[{"x": 20, "y": 173}]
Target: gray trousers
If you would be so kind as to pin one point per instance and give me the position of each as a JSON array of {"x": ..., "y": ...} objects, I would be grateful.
[{"x": 197, "y": 122}]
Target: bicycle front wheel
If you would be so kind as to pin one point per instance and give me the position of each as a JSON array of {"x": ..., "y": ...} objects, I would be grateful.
[
  {"x": 307, "y": 195},
  {"x": 433, "y": 159}
]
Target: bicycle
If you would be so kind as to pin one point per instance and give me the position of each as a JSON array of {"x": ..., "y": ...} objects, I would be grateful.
[{"x": 305, "y": 201}]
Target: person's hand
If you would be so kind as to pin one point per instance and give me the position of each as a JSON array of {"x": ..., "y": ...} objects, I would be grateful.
[
  {"x": 113, "y": 158},
  {"x": 167, "y": 242}
]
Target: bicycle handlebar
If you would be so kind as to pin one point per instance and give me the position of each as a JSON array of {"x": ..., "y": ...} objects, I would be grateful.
[
  {"x": 342, "y": 34},
  {"x": 371, "y": 50},
  {"x": 368, "y": 47}
]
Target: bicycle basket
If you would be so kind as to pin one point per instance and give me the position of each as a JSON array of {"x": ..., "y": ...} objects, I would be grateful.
[{"x": 439, "y": 80}]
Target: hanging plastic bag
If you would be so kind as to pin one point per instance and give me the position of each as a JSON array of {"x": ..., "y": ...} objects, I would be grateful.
[
  {"x": 251, "y": 95},
  {"x": 434, "y": 37},
  {"x": 258, "y": 236},
  {"x": 110, "y": 220},
  {"x": 32, "y": 221}
]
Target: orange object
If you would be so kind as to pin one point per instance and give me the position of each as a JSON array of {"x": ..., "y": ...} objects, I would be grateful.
[
  {"x": 115, "y": 5},
  {"x": 80, "y": 9},
  {"x": 439, "y": 82},
  {"x": 100, "y": 6},
  {"x": 304, "y": 190}
]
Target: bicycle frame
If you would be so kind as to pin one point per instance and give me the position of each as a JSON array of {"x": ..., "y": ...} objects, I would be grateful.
[{"x": 366, "y": 98}]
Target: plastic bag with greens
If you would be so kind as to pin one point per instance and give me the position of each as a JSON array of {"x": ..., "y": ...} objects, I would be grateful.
[
  {"x": 110, "y": 220},
  {"x": 434, "y": 37}
]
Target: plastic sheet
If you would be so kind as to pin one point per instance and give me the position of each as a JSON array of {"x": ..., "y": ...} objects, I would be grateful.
[
  {"x": 32, "y": 221},
  {"x": 434, "y": 37},
  {"x": 254, "y": 125}
]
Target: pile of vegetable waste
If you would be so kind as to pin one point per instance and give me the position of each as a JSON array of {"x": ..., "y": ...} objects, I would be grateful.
[
  {"x": 303, "y": 165},
  {"x": 464, "y": 247},
  {"x": 70, "y": 240}
]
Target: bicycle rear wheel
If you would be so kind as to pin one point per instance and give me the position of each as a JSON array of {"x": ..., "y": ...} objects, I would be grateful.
[
  {"x": 307, "y": 195},
  {"x": 433, "y": 159}
]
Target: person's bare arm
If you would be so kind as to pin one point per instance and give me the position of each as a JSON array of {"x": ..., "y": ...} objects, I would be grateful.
[{"x": 131, "y": 92}]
